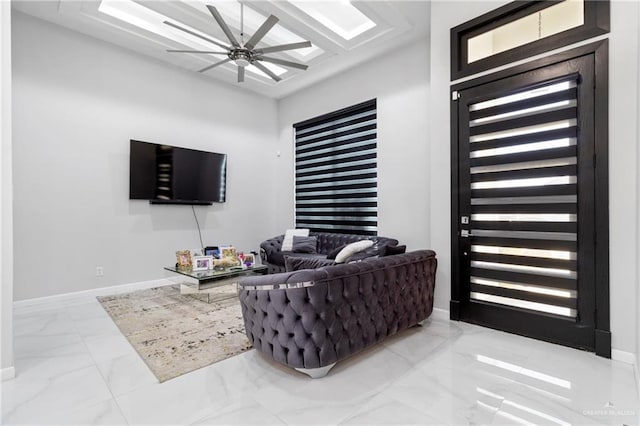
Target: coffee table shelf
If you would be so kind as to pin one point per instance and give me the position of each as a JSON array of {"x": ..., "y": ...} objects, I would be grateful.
[{"x": 207, "y": 282}]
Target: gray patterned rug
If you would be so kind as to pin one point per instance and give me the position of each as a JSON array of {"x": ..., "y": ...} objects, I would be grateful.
[{"x": 176, "y": 334}]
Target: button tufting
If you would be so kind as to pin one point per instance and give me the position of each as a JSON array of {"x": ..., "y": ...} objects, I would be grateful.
[{"x": 355, "y": 313}]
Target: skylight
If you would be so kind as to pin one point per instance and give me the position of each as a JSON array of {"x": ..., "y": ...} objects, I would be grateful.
[
  {"x": 252, "y": 21},
  {"x": 341, "y": 17},
  {"x": 142, "y": 17}
]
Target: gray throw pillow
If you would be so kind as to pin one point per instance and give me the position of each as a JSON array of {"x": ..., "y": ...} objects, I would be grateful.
[
  {"x": 304, "y": 244},
  {"x": 292, "y": 263},
  {"x": 392, "y": 250}
]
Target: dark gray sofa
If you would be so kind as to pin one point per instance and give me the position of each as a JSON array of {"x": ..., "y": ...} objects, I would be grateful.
[
  {"x": 311, "y": 319},
  {"x": 273, "y": 256}
]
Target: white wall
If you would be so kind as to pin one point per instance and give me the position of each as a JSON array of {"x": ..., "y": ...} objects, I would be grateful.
[
  {"x": 6, "y": 196},
  {"x": 637, "y": 316},
  {"x": 400, "y": 82},
  {"x": 623, "y": 168},
  {"x": 444, "y": 16},
  {"x": 77, "y": 102},
  {"x": 623, "y": 155}
]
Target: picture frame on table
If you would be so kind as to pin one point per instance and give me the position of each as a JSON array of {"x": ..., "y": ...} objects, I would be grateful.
[
  {"x": 249, "y": 259},
  {"x": 202, "y": 263},
  {"x": 228, "y": 251},
  {"x": 183, "y": 259},
  {"x": 212, "y": 251}
]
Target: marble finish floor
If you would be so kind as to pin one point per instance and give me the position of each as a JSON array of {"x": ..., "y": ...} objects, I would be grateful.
[{"x": 74, "y": 367}]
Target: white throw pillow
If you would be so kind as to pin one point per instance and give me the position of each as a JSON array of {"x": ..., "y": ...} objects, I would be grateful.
[
  {"x": 352, "y": 249},
  {"x": 287, "y": 243}
]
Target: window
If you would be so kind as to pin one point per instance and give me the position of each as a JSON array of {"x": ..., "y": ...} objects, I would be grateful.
[
  {"x": 336, "y": 171},
  {"x": 522, "y": 29},
  {"x": 547, "y": 22}
]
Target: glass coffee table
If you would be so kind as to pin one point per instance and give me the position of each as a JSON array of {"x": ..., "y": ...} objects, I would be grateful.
[{"x": 212, "y": 281}]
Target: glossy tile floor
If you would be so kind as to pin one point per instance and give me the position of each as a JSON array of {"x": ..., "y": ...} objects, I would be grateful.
[{"x": 74, "y": 367}]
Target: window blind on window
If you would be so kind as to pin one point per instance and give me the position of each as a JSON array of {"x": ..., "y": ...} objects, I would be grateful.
[{"x": 336, "y": 171}]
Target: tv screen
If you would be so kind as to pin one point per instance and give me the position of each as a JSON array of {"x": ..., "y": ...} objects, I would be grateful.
[{"x": 173, "y": 175}]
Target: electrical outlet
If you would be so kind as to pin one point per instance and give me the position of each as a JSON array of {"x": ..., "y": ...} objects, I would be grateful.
[{"x": 99, "y": 271}]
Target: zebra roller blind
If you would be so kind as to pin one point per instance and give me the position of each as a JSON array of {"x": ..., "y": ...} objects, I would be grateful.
[
  {"x": 336, "y": 171},
  {"x": 524, "y": 217}
]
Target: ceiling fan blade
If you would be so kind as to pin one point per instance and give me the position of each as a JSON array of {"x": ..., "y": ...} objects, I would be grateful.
[
  {"x": 266, "y": 70},
  {"x": 240, "y": 74},
  {"x": 224, "y": 61},
  {"x": 260, "y": 32},
  {"x": 188, "y": 31},
  {"x": 223, "y": 25},
  {"x": 282, "y": 47},
  {"x": 283, "y": 62},
  {"x": 196, "y": 51}
]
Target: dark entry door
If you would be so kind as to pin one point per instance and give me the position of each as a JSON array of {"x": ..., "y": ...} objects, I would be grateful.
[{"x": 525, "y": 260}]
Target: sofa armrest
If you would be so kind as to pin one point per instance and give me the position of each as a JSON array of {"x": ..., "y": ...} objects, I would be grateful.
[{"x": 271, "y": 250}]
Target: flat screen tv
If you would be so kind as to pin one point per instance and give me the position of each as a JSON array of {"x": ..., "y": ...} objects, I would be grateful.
[{"x": 166, "y": 174}]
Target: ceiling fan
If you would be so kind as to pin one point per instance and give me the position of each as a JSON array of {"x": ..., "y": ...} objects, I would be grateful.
[{"x": 243, "y": 54}]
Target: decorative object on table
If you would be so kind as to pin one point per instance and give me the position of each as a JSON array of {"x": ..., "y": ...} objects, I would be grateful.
[
  {"x": 228, "y": 251},
  {"x": 183, "y": 259},
  {"x": 212, "y": 251},
  {"x": 196, "y": 253},
  {"x": 249, "y": 259},
  {"x": 225, "y": 262},
  {"x": 176, "y": 334},
  {"x": 243, "y": 53},
  {"x": 202, "y": 263}
]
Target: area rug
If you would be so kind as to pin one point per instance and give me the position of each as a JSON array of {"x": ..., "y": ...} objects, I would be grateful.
[{"x": 176, "y": 334}]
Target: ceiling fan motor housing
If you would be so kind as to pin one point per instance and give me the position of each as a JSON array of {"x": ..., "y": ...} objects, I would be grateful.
[{"x": 242, "y": 57}]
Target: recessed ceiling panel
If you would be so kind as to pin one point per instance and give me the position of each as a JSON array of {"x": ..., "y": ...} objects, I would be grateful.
[
  {"x": 342, "y": 35},
  {"x": 341, "y": 17},
  {"x": 251, "y": 20},
  {"x": 149, "y": 20}
]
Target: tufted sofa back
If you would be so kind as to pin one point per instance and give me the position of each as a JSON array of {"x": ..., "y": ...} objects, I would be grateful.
[
  {"x": 328, "y": 241},
  {"x": 313, "y": 318}
]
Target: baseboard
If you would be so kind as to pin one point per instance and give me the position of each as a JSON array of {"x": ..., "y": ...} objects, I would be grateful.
[
  {"x": 87, "y": 295},
  {"x": 623, "y": 356},
  {"x": 440, "y": 314},
  {"x": 7, "y": 373}
]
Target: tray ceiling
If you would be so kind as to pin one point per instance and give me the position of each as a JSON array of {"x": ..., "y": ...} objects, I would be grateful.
[{"x": 343, "y": 34}]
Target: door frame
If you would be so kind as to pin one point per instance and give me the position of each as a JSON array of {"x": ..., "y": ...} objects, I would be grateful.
[{"x": 600, "y": 50}]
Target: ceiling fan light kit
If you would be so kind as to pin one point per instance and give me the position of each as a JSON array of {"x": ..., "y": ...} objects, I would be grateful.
[{"x": 244, "y": 54}]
